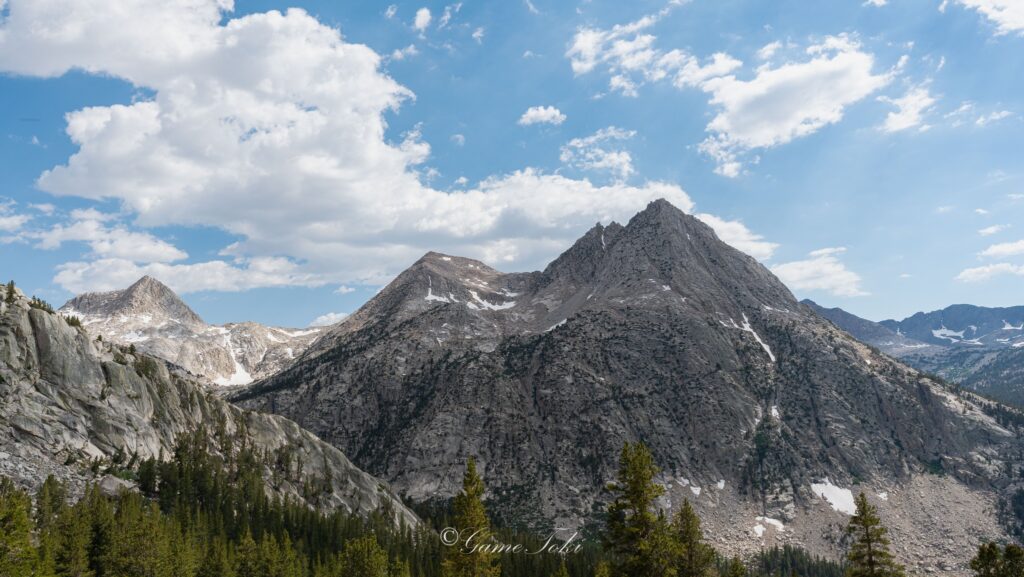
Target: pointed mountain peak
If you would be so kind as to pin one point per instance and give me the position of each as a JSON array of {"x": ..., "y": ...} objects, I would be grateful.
[{"x": 146, "y": 296}]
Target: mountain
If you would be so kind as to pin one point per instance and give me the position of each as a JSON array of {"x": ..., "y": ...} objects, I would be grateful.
[
  {"x": 72, "y": 406},
  {"x": 991, "y": 362},
  {"x": 965, "y": 325},
  {"x": 762, "y": 413},
  {"x": 151, "y": 317},
  {"x": 889, "y": 341}
]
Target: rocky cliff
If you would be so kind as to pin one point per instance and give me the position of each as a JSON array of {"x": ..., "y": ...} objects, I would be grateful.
[
  {"x": 760, "y": 411},
  {"x": 151, "y": 317},
  {"x": 71, "y": 406}
]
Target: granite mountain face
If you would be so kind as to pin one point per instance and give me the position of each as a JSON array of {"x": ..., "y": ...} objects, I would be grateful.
[
  {"x": 69, "y": 402},
  {"x": 757, "y": 409},
  {"x": 151, "y": 317}
]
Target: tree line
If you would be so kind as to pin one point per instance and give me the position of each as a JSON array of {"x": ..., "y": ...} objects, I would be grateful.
[{"x": 201, "y": 514}]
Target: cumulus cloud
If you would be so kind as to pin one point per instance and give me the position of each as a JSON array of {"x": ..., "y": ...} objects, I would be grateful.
[
  {"x": 243, "y": 274},
  {"x": 422, "y": 20},
  {"x": 1007, "y": 15},
  {"x": 990, "y": 118},
  {"x": 328, "y": 319},
  {"x": 1004, "y": 249},
  {"x": 107, "y": 242},
  {"x": 793, "y": 100},
  {"x": 876, "y": 3},
  {"x": 10, "y": 221},
  {"x": 983, "y": 273},
  {"x": 910, "y": 110},
  {"x": 403, "y": 53},
  {"x": 627, "y": 54},
  {"x": 270, "y": 127},
  {"x": 737, "y": 235},
  {"x": 777, "y": 105},
  {"x": 541, "y": 115},
  {"x": 599, "y": 152},
  {"x": 823, "y": 271}
]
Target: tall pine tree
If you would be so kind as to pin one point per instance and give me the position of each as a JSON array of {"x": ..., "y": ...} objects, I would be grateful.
[
  {"x": 636, "y": 535},
  {"x": 17, "y": 555},
  {"x": 991, "y": 561},
  {"x": 696, "y": 558},
  {"x": 471, "y": 521},
  {"x": 869, "y": 554}
]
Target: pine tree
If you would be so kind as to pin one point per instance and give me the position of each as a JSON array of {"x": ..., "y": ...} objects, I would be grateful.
[
  {"x": 17, "y": 556},
  {"x": 11, "y": 295},
  {"x": 696, "y": 558},
  {"x": 247, "y": 557},
  {"x": 736, "y": 568},
  {"x": 563, "y": 571},
  {"x": 991, "y": 561},
  {"x": 364, "y": 557},
  {"x": 637, "y": 536},
  {"x": 602, "y": 570},
  {"x": 471, "y": 522},
  {"x": 869, "y": 554},
  {"x": 72, "y": 559}
]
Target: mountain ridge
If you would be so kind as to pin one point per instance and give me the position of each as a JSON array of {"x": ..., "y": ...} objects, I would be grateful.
[
  {"x": 653, "y": 331},
  {"x": 151, "y": 317}
]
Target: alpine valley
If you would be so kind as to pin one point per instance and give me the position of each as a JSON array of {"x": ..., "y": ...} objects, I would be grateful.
[{"x": 767, "y": 414}]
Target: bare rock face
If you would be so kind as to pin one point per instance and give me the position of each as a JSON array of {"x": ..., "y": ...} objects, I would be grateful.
[
  {"x": 150, "y": 316},
  {"x": 67, "y": 399},
  {"x": 754, "y": 406}
]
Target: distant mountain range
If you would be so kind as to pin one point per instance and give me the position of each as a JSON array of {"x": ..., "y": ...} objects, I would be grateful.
[
  {"x": 761, "y": 412},
  {"x": 979, "y": 348},
  {"x": 150, "y": 316}
]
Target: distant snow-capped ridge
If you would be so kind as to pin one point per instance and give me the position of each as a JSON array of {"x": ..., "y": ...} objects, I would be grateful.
[{"x": 150, "y": 316}]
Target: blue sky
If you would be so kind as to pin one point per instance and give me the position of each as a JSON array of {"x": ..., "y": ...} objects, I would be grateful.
[{"x": 280, "y": 166}]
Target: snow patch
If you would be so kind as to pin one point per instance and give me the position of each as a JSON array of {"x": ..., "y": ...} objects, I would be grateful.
[
  {"x": 555, "y": 326},
  {"x": 720, "y": 485},
  {"x": 748, "y": 329},
  {"x": 433, "y": 297},
  {"x": 840, "y": 499},
  {"x": 779, "y": 525},
  {"x": 883, "y": 496},
  {"x": 482, "y": 304},
  {"x": 696, "y": 491},
  {"x": 775, "y": 412},
  {"x": 1008, "y": 327},
  {"x": 759, "y": 530},
  {"x": 944, "y": 333}
]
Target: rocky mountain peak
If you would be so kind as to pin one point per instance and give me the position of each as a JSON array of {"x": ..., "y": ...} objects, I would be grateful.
[{"x": 147, "y": 296}]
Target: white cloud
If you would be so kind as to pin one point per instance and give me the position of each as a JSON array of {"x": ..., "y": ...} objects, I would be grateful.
[
  {"x": 541, "y": 115},
  {"x": 1007, "y": 15},
  {"x": 788, "y": 102},
  {"x": 271, "y": 127},
  {"x": 403, "y": 53},
  {"x": 627, "y": 54},
  {"x": 737, "y": 235},
  {"x": 768, "y": 50},
  {"x": 328, "y": 319},
  {"x": 531, "y": 7},
  {"x": 105, "y": 242},
  {"x": 993, "y": 117},
  {"x": 422, "y": 19},
  {"x": 9, "y": 220},
  {"x": 776, "y": 106},
  {"x": 593, "y": 153},
  {"x": 45, "y": 208},
  {"x": 822, "y": 272},
  {"x": 458, "y": 139},
  {"x": 910, "y": 110},
  {"x": 446, "y": 16},
  {"x": 390, "y": 11},
  {"x": 994, "y": 229},
  {"x": 1004, "y": 249},
  {"x": 344, "y": 290},
  {"x": 981, "y": 211},
  {"x": 478, "y": 35},
  {"x": 983, "y": 273},
  {"x": 877, "y": 3},
  {"x": 114, "y": 273}
]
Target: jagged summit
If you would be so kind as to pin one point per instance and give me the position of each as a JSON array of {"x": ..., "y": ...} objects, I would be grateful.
[
  {"x": 146, "y": 296},
  {"x": 150, "y": 316},
  {"x": 658, "y": 331}
]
